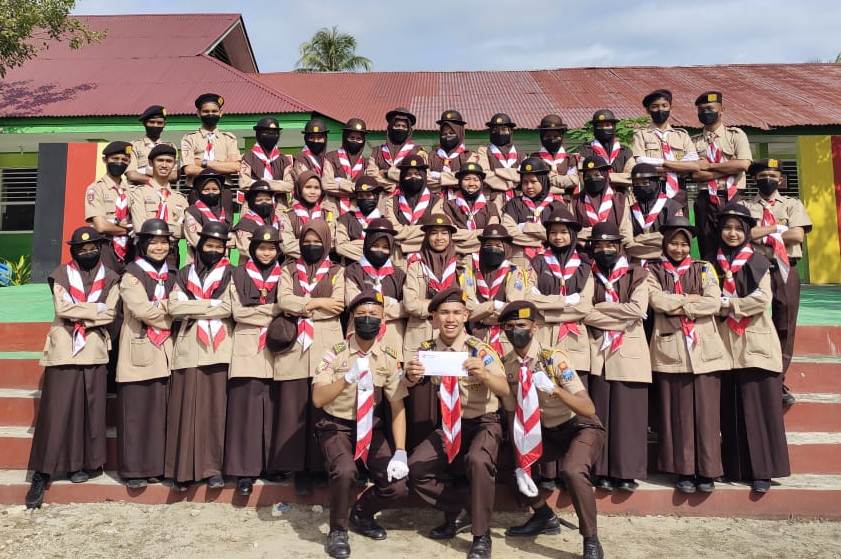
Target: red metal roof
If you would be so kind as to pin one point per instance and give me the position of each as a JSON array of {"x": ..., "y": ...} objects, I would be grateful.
[
  {"x": 143, "y": 60},
  {"x": 756, "y": 95}
]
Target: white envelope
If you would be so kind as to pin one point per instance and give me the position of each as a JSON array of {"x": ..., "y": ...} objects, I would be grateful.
[{"x": 443, "y": 363}]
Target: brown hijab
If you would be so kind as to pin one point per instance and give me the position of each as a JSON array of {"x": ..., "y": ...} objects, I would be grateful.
[
  {"x": 437, "y": 261},
  {"x": 691, "y": 281},
  {"x": 436, "y": 163},
  {"x": 325, "y": 286}
]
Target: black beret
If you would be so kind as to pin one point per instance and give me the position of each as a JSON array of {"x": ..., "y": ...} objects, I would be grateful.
[
  {"x": 117, "y": 147},
  {"x": 450, "y": 295},
  {"x": 162, "y": 149},
  {"x": 367, "y": 295},
  {"x": 709, "y": 97},
  {"x": 518, "y": 310},
  {"x": 764, "y": 165},
  {"x": 209, "y": 98},
  {"x": 153, "y": 111},
  {"x": 657, "y": 94}
]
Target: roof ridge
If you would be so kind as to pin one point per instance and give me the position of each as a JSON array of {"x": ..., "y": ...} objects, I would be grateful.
[{"x": 160, "y": 14}]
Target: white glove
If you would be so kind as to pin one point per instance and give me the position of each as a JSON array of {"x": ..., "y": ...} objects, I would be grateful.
[
  {"x": 573, "y": 299},
  {"x": 352, "y": 376},
  {"x": 525, "y": 483},
  {"x": 101, "y": 308},
  {"x": 499, "y": 305},
  {"x": 781, "y": 228},
  {"x": 215, "y": 302},
  {"x": 398, "y": 466},
  {"x": 542, "y": 382}
]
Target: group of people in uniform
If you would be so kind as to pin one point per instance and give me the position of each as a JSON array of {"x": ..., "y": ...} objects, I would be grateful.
[{"x": 565, "y": 280}]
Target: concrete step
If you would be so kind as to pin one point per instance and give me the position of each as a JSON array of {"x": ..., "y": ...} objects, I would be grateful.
[{"x": 801, "y": 496}]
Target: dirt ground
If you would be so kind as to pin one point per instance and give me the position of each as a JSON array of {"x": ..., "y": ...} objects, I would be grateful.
[{"x": 187, "y": 530}]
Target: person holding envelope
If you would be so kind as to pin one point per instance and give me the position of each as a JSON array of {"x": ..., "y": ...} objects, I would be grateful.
[{"x": 470, "y": 435}]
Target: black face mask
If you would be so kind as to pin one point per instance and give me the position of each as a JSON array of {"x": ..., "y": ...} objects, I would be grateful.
[
  {"x": 449, "y": 142},
  {"x": 263, "y": 209},
  {"x": 366, "y": 327},
  {"x": 606, "y": 260},
  {"x": 312, "y": 253},
  {"x": 154, "y": 132},
  {"x": 491, "y": 257},
  {"x": 210, "y": 121},
  {"x": 767, "y": 186},
  {"x": 647, "y": 192},
  {"x": 87, "y": 260},
  {"x": 500, "y": 139},
  {"x": 604, "y": 136},
  {"x": 353, "y": 147},
  {"x": 707, "y": 116},
  {"x": 315, "y": 147},
  {"x": 552, "y": 145},
  {"x": 411, "y": 185},
  {"x": 210, "y": 200},
  {"x": 519, "y": 337},
  {"x": 377, "y": 258},
  {"x": 268, "y": 140},
  {"x": 397, "y": 136},
  {"x": 210, "y": 259},
  {"x": 471, "y": 196},
  {"x": 367, "y": 206},
  {"x": 116, "y": 169},
  {"x": 594, "y": 186},
  {"x": 659, "y": 117},
  {"x": 558, "y": 251}
]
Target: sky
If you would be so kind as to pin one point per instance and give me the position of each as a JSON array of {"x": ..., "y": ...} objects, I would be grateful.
[{"x": 532, "y": 34}]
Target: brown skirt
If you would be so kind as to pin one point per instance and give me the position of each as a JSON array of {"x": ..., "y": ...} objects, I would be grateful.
[
  {"x": 70, "y": 429},
  {"x": 195, "y": 426},
  {"x": 753, "y": 436},
  {"x": 422, "y": 413},
  {"x": 689, "y": 423},
  {"x": 141, "y": 427},
  {"x": 248, "y": 433},
  {"x": 622, "y": 408},
  {"x": 555, "y": 469},
  {"x": 294, "y": 446}
]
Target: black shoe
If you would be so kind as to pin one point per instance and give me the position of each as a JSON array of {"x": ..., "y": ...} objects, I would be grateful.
[
  {"x": 362, "y": 479},
  {"x": 761, "y": 485},
  {"x": 451, "y": 527},
  {"x": 628, "y": 485},
  {"x": 154, "y": 480},
  {"x": 366, "y": 526},
  {"x": 215, "y": 482},
  {"x": 337, "y": 545},
  {"x": 705, "y": 484},
  {"x": 480, "y": 548},
  {"x": 136, "y": 483},
  {"x": 244, "y": 486},
  {"x": 592, "y": 548},
  {"x": 547, "y": 484},
  {"x": 603, "y": 483},
  {"x": 180, "y": 486},
  {"x": 788, "y": 398},
  {"x": 685, "y": 484},
  {"x": 303, "y": 484},
  {"x": 278, "y": 477},
  {"x": 35, "y": 495},
  {"x": 543, "y": 521},
  {"x": 94, "y": 473},
  {"x": 79, "y": 476}
]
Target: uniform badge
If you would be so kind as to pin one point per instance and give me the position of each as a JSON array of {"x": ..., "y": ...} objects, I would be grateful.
[
  {"x": 488, "y": 360},
  {"x": 90, "y": 195},
  {"x": 567, "y": 375},
  {"x": 86, "y": 236},
  {"x": 518, "y": 284}
]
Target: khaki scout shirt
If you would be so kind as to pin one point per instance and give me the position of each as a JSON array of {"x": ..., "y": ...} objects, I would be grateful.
[
  {"x": 140, "y": 153},
  {"x": 787, "y": 211},
  {"x": 734, "y": 144},
  {"x": 556, "y": 365},
  {"x": 101, "y": 197},
  {"x": 384, "y": 366},
  {"x": 476, "y": 398},
  {"x": 647, "y": 147},
  {"x": 144, "y": 201},
  {"x": 193, "y": 145}
]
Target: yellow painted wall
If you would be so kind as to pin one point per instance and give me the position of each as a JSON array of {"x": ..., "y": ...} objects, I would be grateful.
[{"x": 817, "y": 191}]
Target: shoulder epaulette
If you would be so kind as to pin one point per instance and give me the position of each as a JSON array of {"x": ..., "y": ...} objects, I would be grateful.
[
  {"x": 390, "y": 352},
  {"x": 339, "y": 347},
  {"x": 428, "y": 344},
  {"x": 229, "y": 134}
]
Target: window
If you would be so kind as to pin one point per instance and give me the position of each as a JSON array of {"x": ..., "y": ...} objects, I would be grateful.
[{"x": 17, "y": 199}]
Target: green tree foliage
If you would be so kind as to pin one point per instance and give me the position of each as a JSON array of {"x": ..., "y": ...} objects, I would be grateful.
[
  {"x": 331, "y": 51},
  {"x": 624, "y": 131}
]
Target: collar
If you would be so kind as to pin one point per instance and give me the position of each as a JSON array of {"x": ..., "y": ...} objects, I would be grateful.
[
  {"x": 532, "y": 355},
  {"x": 652, "y": 127},
  {"x": 777, "y": 197},
  {"x": 355, "y": 349},
  {"x": 110, "y": 183},
  {"x": 150, "y": 142},
  {"x": 458, "y": 343},
  {"x": 204, "y": 131}
]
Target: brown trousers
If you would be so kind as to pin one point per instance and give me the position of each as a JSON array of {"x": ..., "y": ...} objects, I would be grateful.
[
  {"x": 784, "y": 306},
  {"x": 622, "y": 408},
  {"x": 689, "y": 423},
  {"x": 555, "y": 469},
  {"x": 477, "y": 460},
  {"x": 248, "y": 432},
  {"x": 753, "y": 436},
  {"x": 421, "y": 413},
  {"x": 70, "y": 429},
  {"x": 337, "y": 438},
  {"x": 195, "y": 425},
  {"x": 294, "y": 446},
  {"x": 141, "y": 427}
]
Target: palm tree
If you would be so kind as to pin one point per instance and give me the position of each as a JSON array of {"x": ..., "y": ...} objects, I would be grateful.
[{"x": 331, "y": 51}]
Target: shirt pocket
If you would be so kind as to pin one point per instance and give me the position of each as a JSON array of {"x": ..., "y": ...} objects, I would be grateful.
[
  {"x": 665, "y": 348},
  {"x": 141, "y": 351}
]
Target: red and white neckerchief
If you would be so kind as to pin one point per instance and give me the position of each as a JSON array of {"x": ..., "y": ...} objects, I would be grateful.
[
  {"x": 364, "y": 220},
  {"x": 209, "y": 154},
  {"x": 728, "y": 287},
  {"x": 688, "y": 326},
  {"x": 120, "y": 243},
  {"x": 553, "y": 160},
  {"x": 306, "y": 327},
  {"x": 210, "y": 332},
  {"x": 775, "y": 240},
  {"x": 364, "y": 410},
  {"x": 405, "y": 150},
  {"x": 76, "y": 294},
  {"x": 569, "y": 269},
  {"x": 304, "y": 215},
  {"x": 447, "y": 278},
  {"x": 528, "y": 440},
  {"x": 446, "y": 158},
  {"x": 377, "y": 275},
  {"x": 604, "y": 208},
  {"x": 599, "y": 150},
  {"x": 315, "y": 163},
  {"x": 207, "y": 213},
  {"x": 508, "y": 161},
  {"x": 267, "y": 160},
  {"x": 413, "y": 257},
  {"x": 163, "y": 209},
  {"x": 537, "y": 209},
  {"x": 470, "y": 213},
  {"x": 646, "y": 221},
  {"x": 156, "y": 335},
  {"x": 263, "y": 286},
  {"x": 414, "y": 215},
  {"x": 716, "y": 155},
  {"x": 258, "y": 219},
  {"x": 672, "y": 184},
  {"x": 612, "y": 339},
  {"x": 489, "y": 293},
  {"x": 449, "y": 398},
  {"x": 351, "y": 172}
]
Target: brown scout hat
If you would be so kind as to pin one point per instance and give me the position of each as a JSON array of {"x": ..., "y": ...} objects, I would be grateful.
[
  {"x": 594, "y": 162},
  {"x": 604, "y": 115},
  {"x": 355, "y": 125},
  {"x": 495, "y": 231},
  {"x": 380, "y": 225},
  {"x": 605, "y": 231},
  {"x": 552, "y": 122},
  {"x": 400, "y": 112},
  {"x": 562, "y": 215},
  {"x": 471, "y": 167},
  {"x": 414, "y": 161},
  {"x": 366, "y": 183},
  {"x": 450, "y": 116},
  {"x": 679, "y": 222},
  {"x": 438, "y": 220},
  {"x": 266, "y": 234},
  {"x": 533, "y": 165},
  {"x": 500, "y": 119},
  {"x": 315, "y": 126},
  {"x": 86, "y": 234}
]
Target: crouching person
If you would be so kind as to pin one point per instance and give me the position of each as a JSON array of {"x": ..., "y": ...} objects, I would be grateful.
[
  {"x": 349, "y": 387},
  {"x": 551, "y": 418}
]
